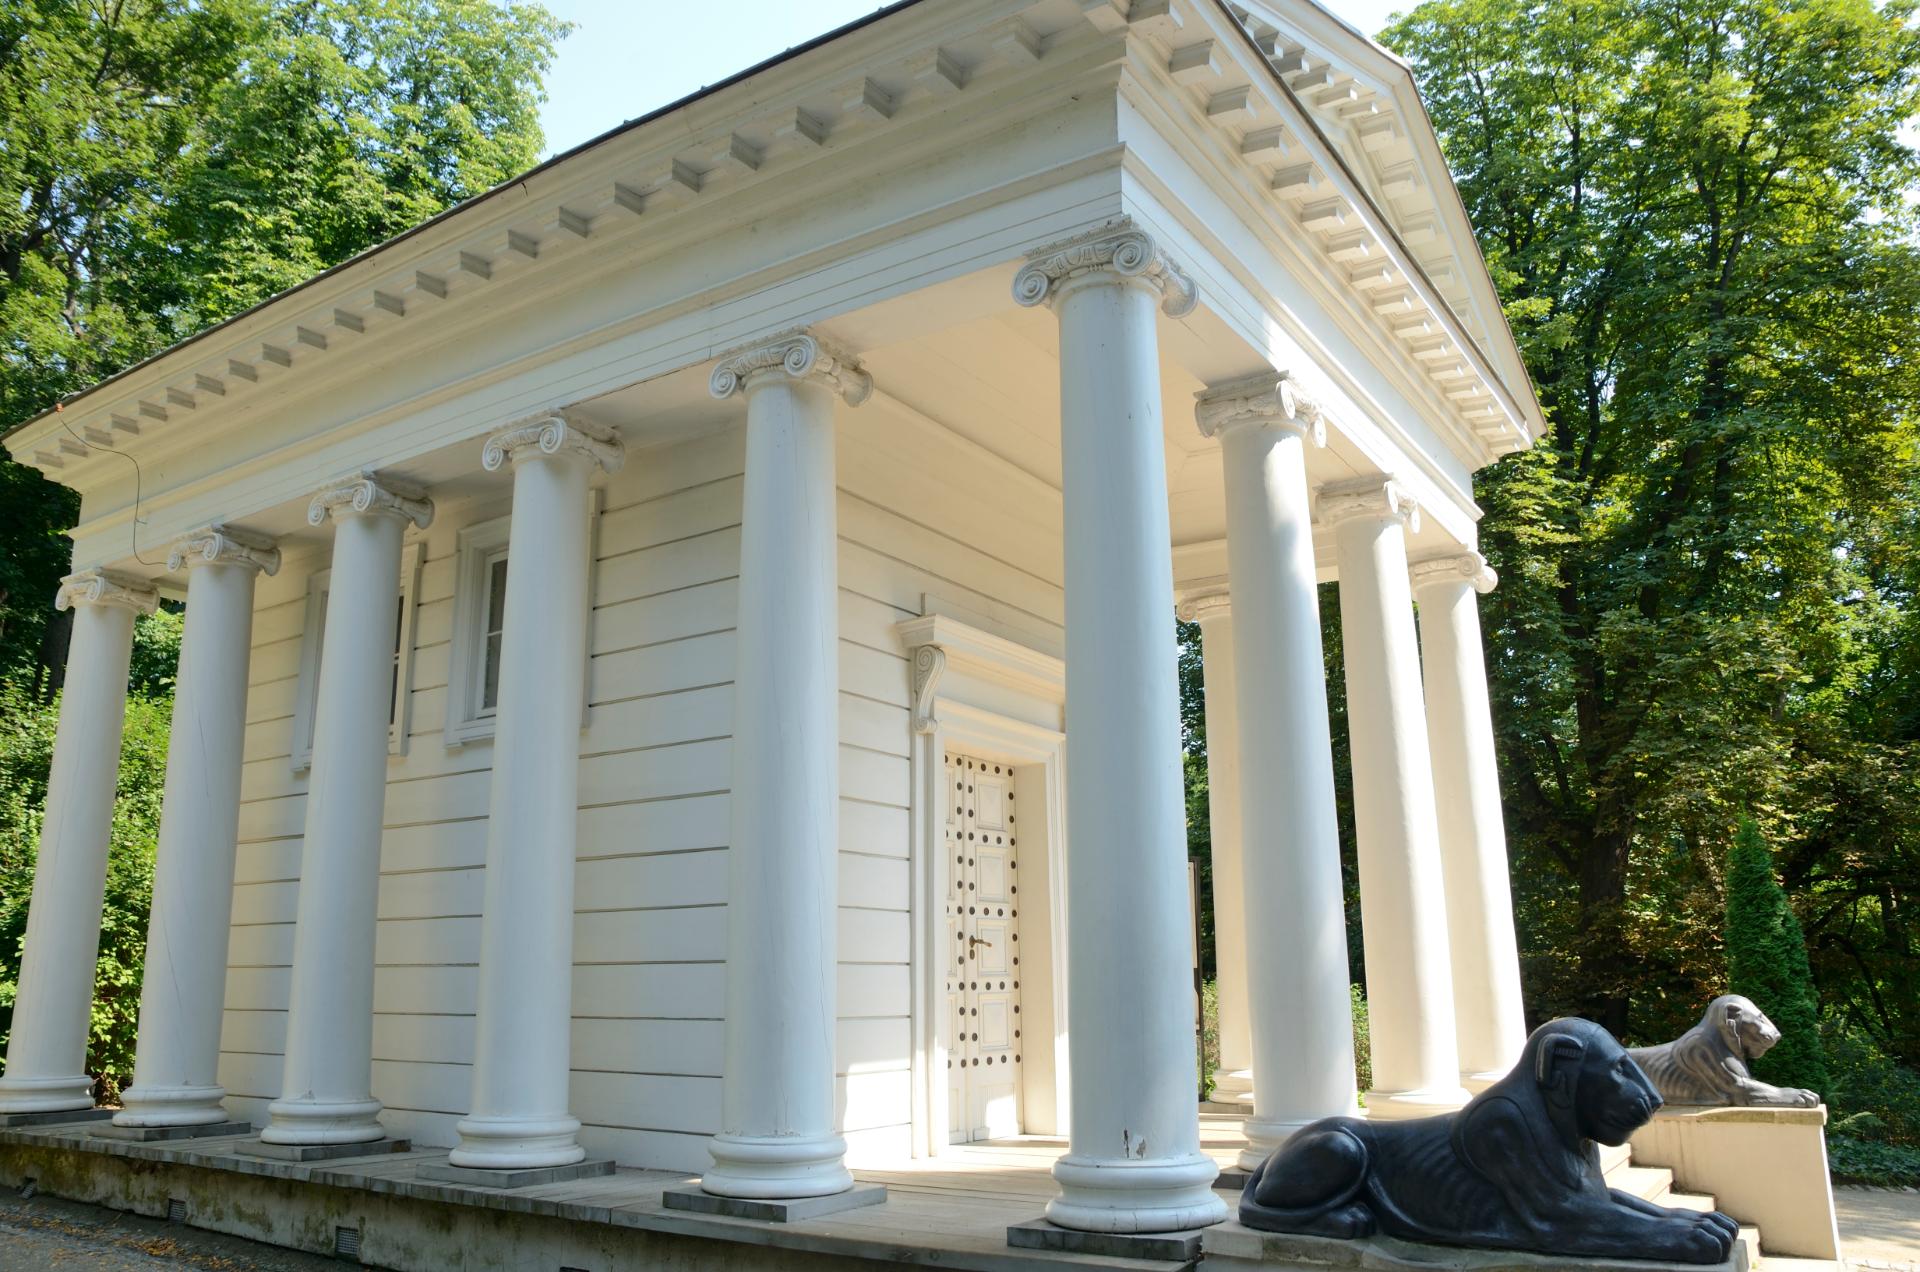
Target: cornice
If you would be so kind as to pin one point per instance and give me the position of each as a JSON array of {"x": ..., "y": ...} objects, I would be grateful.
[
  {"x": 1461, "y": 567},
  {"x": 370, "y": 495},
  {"x": 543, "y": 436},
  {"x": 107, "y": 587},
  {"x": 965, "y": 649},
  {"x": 799, "y": 355},
  {"x": 1118, "y": 251},
  {"x": 224, "y": 545},
  {"x": 1378, "y": 498},
  {"x": 1270, "y": 400}
]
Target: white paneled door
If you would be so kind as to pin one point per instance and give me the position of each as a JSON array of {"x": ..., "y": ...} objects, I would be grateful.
[{"x": 983, "y": 951}]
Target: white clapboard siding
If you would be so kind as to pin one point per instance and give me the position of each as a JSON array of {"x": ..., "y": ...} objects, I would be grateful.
[{"x": 650, "y": 896}]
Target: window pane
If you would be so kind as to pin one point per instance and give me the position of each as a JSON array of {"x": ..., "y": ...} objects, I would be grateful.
[
  {"x": 496, "y": 595},
  {"x": 490, "y": 686}
]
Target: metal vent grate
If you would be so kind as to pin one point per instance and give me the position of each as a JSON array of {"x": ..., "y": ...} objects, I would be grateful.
[
  {"x": 346, "y": 1243},
  {"x": 176, "y": 1210}
]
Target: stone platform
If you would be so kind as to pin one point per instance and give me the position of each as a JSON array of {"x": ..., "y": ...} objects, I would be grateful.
[{"x": 1233, "y": 1246}]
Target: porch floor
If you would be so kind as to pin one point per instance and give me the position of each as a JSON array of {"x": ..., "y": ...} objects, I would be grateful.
[{"x": 952, "y": 1211}]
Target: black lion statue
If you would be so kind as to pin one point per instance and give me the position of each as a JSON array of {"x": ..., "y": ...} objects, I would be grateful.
[
  {"x": 1708, "y": 1063},
  {"x": 1516, "y": 1169}
]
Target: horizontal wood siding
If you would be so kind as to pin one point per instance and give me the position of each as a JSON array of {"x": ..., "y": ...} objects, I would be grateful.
[{"x": 650, "y": 894}]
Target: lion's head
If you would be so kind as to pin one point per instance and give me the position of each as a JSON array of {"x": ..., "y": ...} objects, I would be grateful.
[
  {"x": 1590, "y": 1081},
  {"x": 1742, "y": 1026}
]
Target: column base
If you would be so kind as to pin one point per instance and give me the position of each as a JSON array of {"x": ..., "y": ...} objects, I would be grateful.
[
  {"x": 46, "y": 1095},
  {"x": 1231, "y": 1085},
  {"x": 787, "y": 1210},
  {"x": 1265, "y": 1134},
  {"x": 509, "y": 1179},
  {"x": 308, "y": 1121},
  {"x": 1478, "y": 1082},
  {"x": 1133, "y": 1195},
  {"x": 517, "y": 1143},
  {"x": 116, "y": 1130},
  {"x": 1401, "y": 1105},
  {"x": 777, "y": 1167},
  {"x": 1167, "y": 1247},
  {"x": 171, "y": 1106},
  {"x": 322, "y": 1152},
  {"x": 9, "y": 1120}
]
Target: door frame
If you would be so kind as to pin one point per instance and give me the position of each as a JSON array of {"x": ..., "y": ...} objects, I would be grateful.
[{"x": 981, "y": 694}]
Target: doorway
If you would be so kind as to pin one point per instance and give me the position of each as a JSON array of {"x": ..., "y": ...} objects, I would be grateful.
[{"x": 984, "y": 1055}]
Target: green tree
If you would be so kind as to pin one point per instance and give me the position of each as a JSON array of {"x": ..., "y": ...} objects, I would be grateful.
[
  {"x": 1767, "y": 962},
  {"x": 1696, "y": 214}
]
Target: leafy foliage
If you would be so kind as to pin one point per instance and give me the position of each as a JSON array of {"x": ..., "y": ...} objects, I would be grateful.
[
  {"x": 1695, "y": 212},
  {"x": 1767, "y": 962},
  {"x": 165, "y": 164}
]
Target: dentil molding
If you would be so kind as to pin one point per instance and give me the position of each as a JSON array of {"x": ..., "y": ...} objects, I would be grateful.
[
  {"x": 1116, "y": 248},
  {"x": 107, "y": 587},
  {"x": 1468, "y": 567},
  {"x": 369, "y": 494},
  {"x": 546, "y": 435},
  {"x": 1379, "y": 498},
  {"x": 224, "y": 545},
  {"x": 1272, "y": 399},
  {"x": 800, "y": 354}
]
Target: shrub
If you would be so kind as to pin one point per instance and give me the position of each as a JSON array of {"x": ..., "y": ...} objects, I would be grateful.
[
  {"x": 1767, "y": 962},
  {"x": 1362, "y": 1041}
]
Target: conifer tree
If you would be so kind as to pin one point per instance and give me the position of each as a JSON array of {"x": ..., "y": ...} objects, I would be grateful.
[{"x": 1767, "y": 962}]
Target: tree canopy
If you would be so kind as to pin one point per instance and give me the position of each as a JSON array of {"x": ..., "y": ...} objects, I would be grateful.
[
  {"x": 1699, "y": 216},
  {"x": 165, "y": 164}
]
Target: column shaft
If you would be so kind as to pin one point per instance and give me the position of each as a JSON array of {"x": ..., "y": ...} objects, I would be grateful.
[
  {"x": 1490, "y": 1019},
  {"x": 1402, "y": 898},
  {"x": 1295, "y": 908},
  {"x": 778, "y": 1136},
  {"x": 326, "y": 1087},
  {"x": 519, "y": 1114},
  {"x": 47, "y": 1053},
  {"x": 1134, "y": 1162},
  {"x": 175, "y": 1072},
  {"x": 1231, "y": 973}
]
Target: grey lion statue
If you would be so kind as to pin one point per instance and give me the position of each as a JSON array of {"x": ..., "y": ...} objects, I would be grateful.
[
  {"x": 1708, "y": 1063},
  {"x": 1515, "y": 1169}
]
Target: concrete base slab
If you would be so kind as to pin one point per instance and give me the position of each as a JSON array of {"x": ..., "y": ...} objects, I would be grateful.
[
  {"x": 478, "y": 1177},
  {"x": 322, "y": 1152},
  {"x": 156, "y": 1134},
  {"x": 773, "y": 1211},
  {"x": 1042, "y": 1234},
  {"x": 1232, "y": 1245},
  {"x": 56, "y": 1119}
]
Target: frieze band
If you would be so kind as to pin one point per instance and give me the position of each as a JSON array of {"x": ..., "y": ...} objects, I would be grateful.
[
  {"x": 1116, "y": 247},
  {"x": 802, "y": 355}
]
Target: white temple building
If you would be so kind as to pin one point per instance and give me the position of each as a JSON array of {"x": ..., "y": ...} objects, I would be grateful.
[{"x": 679, "y": 661}]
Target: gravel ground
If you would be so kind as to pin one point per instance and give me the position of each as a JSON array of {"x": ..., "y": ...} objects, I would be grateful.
[
  {"x": 1879, "y": 1227},
  {"x": 46, "y": 1234}
]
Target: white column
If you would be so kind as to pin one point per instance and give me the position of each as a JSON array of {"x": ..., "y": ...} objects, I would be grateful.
[
  {"x": 1134, "y": 1162},
  {"x": 518, "y": 1116},
  {"x": 777, "y": 1135},
  {"x": 1210, "y": 608},
  {"x": 1402, "y": 899},
  {"x": 184, "y": 991},
  {"x": 1490, "y": 1019},
  {"x": 1295, "y": 904},
  {"x": 326, "y": 1084},
  {"x": 47, "y": 1054}
]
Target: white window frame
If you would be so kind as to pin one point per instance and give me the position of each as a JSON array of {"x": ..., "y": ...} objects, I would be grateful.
[
  {"x": 479, "y": 545},
  {"x": 305, "y": 698}
]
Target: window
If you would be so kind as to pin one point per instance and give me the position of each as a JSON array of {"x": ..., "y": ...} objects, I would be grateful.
[
  {"x": 315, "y": 631},
  {"x": 479, "y": 618}
]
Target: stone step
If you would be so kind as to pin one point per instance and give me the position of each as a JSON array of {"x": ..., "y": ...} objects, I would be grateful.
[{"x": 1651, "y": 1182}]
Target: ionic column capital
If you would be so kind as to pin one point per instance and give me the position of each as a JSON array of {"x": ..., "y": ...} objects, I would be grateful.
[
  {"x": 1272, "y": 399},
  {"x": 1379, "y": 498},
  {"x": 368, "y": 495},
  {"x": 107, "y": 587},
  {"x": 1116, "y": 249},
  {"x": 224, "y": 545},
  {"x": 1202, "y": 601},
  {"x": 1468, "y": 567},
  {"x": 542, "y": 436},
  {"x": 799, "y": 354}
]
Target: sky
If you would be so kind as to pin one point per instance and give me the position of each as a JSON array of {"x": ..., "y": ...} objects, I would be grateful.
[{"x": 627, "y": 57}]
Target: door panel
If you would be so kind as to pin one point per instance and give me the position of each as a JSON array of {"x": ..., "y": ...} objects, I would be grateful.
[{"x": 983, "y": 985}]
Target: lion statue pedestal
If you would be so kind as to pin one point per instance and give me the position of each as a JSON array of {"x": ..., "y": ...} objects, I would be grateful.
[
  {"x": 1233, "y": 1247},
  {"x": 1516, "y": 1170}
]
